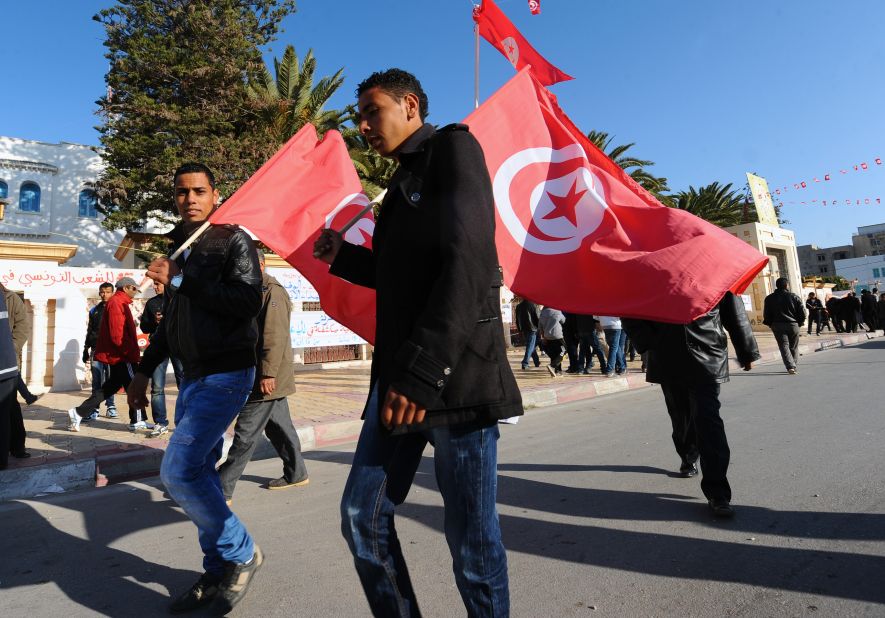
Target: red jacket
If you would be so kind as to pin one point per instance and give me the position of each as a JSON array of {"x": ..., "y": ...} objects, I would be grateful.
[{"x": 117, "y": 340}]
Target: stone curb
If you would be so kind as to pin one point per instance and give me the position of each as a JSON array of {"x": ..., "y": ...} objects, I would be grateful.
[{"x": 116, "y": 465}]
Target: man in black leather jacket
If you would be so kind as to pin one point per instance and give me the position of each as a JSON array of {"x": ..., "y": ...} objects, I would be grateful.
[
  {"x": 440, "y": 372},
  {"x": 212, "y": 296},
  {"x": 784, "y": 314},
  {"x": 690, "y": 362}
]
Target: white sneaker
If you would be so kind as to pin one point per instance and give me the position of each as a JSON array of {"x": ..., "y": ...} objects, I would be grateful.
[
  {"x": 159, "y": 430},
  {"x": 137, "y": 426},
  {"x": 75, "y": 419}
]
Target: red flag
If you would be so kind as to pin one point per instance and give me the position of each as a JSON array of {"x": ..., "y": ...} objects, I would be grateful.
[
  {"x": 864, "y": 165},
  {"x": 576, "y": 232},
  {"x": 803, "y": 184},
  {"x": 535, "y": 7},
  {"x": 503, "y": 35},
  {"x": 878, "y": 161},
  {"x": 827, "y": 177},
  {"x": 306, "y": 186}
]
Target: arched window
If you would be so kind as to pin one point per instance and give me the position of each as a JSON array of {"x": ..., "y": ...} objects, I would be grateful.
[
  {"x": 29, "y": 197},
  {"x": 4, "y": 190},
  {"x": 88, "y": 201}
]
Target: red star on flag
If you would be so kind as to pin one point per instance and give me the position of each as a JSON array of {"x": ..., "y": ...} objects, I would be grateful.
[{"x": 564, "y": 205}]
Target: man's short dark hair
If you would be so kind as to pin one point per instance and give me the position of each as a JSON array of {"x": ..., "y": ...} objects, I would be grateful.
[
  {"x": 781, "y": 283},
  {"x": 105, "y": 285},
  {"x": 194, "y": 168},
  {"x": 397, "y": 83}
]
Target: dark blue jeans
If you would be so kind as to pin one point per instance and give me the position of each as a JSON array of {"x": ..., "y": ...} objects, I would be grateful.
[
  {"x": 616, "y": 339},
  {"x": 158, "y": 390},
  {"x": 531, "y": 352},
  {"x": 100, "y": 373},
  {"x": 206, "y": 407},
  {"x": 465, "y": 461},
  {"x": 590, "y": 346}
]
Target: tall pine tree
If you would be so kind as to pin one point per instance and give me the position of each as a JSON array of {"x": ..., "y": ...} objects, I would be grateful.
[{"x": 177, "y": 93}]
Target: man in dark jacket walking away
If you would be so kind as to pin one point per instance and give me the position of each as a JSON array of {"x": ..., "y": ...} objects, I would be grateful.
[
  {"x": 12, "y": 424},
  {"x": 527, "y": 316},
  {"x": 100, "y": 371},
  {"x": 267, "y": 408},
  {"x": 784, "y": 314},
  {"x": 213, "y": 294},
  {"x": 440, "y": 372},
  {"x": 869, "y": 310},
  {"x": 690, "y": 362},
  {"x": 117, "y": 347}
]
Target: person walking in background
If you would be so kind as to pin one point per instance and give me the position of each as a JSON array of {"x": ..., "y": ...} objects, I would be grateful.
[
  {"x": 850, "y": 311},
  {"x": 551, "y": 323},
  {"x": 814, "y": 307},
  {"x": 616, "y": 340},
  {"x": 117, "y": 347},
  {"x": 784, "y": 314},
  {"x": 267, "y": 408},
  {"x": 690, "y": 362},
  {"x": 527, "y": 317},
  {"x": 12, "y": 424},
  {"x": 570, "y": 339},
  {"x": 150, "y": 321},
  {"x": 869, "y": 310},
  {"x": 589, "y": 344},
  {"x": 100, "y": 371},
  {"x": 834, "y": 310},
  {"x": 881, "y": 305}
]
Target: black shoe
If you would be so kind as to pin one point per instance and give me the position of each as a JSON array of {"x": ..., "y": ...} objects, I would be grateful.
[
  {"x": 688, "y": 470},
  {"x": 721, "y": 508},
  {"x": 20, "y": 454},
  {"x": 199, "y": 595},
  {"x": 235, "y": 583},
  {"x": 283, "y": 483}
]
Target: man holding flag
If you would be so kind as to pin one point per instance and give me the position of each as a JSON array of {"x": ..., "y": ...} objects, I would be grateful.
[
  {"x": 213, "y": 294},
  {"x": 440, "y": 372}
]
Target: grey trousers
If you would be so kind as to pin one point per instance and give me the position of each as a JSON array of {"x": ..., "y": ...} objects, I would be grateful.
[
  {"x": 787, "y": 336},
  {"x": 272, "y": 417}
]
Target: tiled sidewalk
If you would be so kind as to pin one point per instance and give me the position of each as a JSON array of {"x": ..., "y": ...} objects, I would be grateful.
[{"x": 326, "y": 410}]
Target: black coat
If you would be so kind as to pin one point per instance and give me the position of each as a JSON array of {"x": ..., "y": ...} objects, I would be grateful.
[
  {"x": 783, "y": 307},
  {"x": 527, "y": 316},
  {"x": 695, "y": 353},
  {"x": 439, "y": 339}
]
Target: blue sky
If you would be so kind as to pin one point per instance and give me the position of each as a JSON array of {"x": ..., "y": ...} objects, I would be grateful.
[{"x": 790, "y": 89}]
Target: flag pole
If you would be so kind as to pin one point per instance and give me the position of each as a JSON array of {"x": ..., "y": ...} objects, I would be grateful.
[
  {"x": 378, "y": 199},
  {"x": 475, "y": 66},
  {"x": 187, "y": 243}
]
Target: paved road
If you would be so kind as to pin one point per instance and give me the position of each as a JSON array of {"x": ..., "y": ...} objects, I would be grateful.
[{"x": 594, "y": 520}]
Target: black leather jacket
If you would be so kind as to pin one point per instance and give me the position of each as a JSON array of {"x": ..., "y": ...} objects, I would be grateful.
[
  {"x": 209, "y": 320},
  {"x": 695, "y": 353},
  {"x": 783, "y": 307}
]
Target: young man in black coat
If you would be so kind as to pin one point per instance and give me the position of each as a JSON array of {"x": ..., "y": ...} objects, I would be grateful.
[
  {"x": 690, "y": 361},
  {"x": 440, "y": 372}
]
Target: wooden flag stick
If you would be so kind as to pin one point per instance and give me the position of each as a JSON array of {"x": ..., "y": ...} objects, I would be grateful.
[
  {"x": 378, "y": 199},
  {"x": 187, "y": 243}
]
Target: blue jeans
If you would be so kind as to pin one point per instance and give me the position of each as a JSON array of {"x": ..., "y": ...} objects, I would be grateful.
[
  {"x": 465, "y": 461},
  {"x": 590, "y": 346},
  {"x": 158, "y": 390},
  {"x": 206, "y": 407},
  {"x": 616, "y": 339},
  {"x": 100, "y": 373},
  {"x": 531, "y": 343}
]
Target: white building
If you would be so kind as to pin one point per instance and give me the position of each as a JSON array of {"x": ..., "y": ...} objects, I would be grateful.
[
  {"x": 866, "y": 272},
  {"x": 49, "y": 202}
]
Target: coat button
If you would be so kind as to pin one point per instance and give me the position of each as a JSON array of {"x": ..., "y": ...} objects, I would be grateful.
[
  {"x": 447, "y": 371},
  {"x": 415, "y": 196},
  {"x": 440, "y": 384}
]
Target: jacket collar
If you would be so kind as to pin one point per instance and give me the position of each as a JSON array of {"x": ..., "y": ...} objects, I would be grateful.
[
  {"x": 416, "y": 142},
  {"x": 124, "y": 297}
]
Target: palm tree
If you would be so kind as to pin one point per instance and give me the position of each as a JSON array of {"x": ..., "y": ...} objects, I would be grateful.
[
  {"x": 718, "y": 204},
  {"x": 655, "y": 185},
  {"x": 288, "y": 100}
]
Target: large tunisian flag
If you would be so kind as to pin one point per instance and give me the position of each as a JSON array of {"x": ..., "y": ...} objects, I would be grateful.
[
  {"x": 308, "y": 185},
  {"x": 503, "y": 35},
  {"x": 574, "y": 231}
]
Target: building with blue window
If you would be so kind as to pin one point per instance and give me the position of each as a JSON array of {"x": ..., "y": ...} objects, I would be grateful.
[
  {"x": 865, "y": 272},
  {"x": 51, "y": 212}
]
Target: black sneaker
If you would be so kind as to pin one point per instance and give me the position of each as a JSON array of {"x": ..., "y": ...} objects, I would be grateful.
[
  {"x": 282, "y": 483},
  {"x": 235, "y": 582},
  {"x": 721, "y": 508},
  {"x": 688, "y": 470},
  {"x": 199, "y": 595}
]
